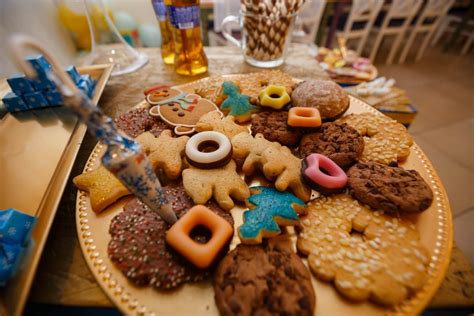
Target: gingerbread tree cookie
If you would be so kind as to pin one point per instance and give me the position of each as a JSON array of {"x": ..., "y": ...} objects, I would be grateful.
[
  {"x": 165, "y": 152},
  {"x": 276, "y": 161},
  {"x": 368, "y": 255},
  {"x": 222, "y": 183}
]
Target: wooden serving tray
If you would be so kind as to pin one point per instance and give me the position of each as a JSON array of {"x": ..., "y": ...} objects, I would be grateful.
[
  {"x": 37, "y": 151},
  {"x": 434, "y": 226}
]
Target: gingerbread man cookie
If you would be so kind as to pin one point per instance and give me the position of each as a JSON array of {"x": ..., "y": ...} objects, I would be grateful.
[
  {"x": 177, "y": 108},
  {"x": 213, "y": 121},
  {"x": 222, "y": 183},
  {"x": 164, "y": 152},
  {"x": 368, "y": 255},
  {"x": 276, "y": 161},
  {"x": 103, "y": 188},
  {"x": 269, "y": 209},
  {"x": 385, "y": 140}
]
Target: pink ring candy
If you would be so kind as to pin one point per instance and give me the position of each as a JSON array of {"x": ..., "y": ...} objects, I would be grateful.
[{"x": 336, "y": 179}]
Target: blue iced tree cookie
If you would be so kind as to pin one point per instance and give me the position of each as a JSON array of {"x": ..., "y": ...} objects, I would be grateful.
[
  {"x": 272, "y": 208},
  {"x": 237, "y": 104}
]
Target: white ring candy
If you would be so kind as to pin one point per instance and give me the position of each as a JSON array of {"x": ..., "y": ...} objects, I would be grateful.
[{"x": 208, "y": 160}]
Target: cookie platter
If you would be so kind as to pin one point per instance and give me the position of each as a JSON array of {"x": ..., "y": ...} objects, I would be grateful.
[{"x": 434, "y": 227}]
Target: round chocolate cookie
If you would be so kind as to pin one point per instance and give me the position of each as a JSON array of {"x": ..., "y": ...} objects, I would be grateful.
[
  {"x": 389, "y": 189},
  {"x": 339, "y": 142},
  {"x": 137, "y": 121},
  {"x": 266, "y": 279},
  {"x": 327, "y": 96},
  {"x": 138, "y": 247},
  {"x": 274, "y": 127}
]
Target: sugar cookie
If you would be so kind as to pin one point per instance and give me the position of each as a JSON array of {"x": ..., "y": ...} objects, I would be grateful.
[
  {"x": 222, "y": 183},
  {"x": 269, "y": 209},
  {"x": 235, "y": 103},
  {"x": 276, "y": 162},
  {"x": 366, "y": 254},
  {"x": 386, "y": 140},
  {"x": 103, "y": 188},
  {"x": 164, "y": 152},
  {"x": 213, "y": 121}
]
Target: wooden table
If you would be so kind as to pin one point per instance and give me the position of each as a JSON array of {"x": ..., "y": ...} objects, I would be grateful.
[{"x": 63, "y": 276}]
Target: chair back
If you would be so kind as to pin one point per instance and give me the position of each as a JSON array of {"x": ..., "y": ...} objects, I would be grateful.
[
  {"x": 402, "y": 9},
  {"x": 308, "y": 21},
  {"x": 362, "y": 11},
  {"x": 433, "y": 12}
]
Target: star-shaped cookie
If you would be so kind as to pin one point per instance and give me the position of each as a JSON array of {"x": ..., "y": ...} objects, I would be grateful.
[
  {"x": 164, "y": 152},
  {"x": 103, "y": 188}
]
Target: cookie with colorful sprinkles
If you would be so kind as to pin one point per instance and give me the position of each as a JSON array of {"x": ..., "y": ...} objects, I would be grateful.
[{"x": 138, "y": 248}]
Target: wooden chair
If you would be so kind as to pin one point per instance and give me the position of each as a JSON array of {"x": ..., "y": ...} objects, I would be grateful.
[
  {"x": 362, "y": 11},
  {"x": 403, "y": 11},
  {"x": 427, "y": 22},
  {"x": 308, "y": 21},
  {"x": 448, "y": 25}
]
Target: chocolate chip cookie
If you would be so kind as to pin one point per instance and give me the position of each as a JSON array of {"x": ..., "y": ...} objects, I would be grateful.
[
  {"x": 138, "y": 248},
  {"x": 327, "y": 96},
  {"x": 389, "y": 189},
  {"x": 274, "y": 127},
  {"x": 339, "y": 142},
  {"x": 266, "y": 279}
]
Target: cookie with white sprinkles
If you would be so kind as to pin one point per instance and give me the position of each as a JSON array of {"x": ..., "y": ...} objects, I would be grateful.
[{"x": 138, "y": 248}]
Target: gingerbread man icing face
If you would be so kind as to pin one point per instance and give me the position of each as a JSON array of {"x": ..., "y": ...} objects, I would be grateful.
[{"x": 178, "y": 108}]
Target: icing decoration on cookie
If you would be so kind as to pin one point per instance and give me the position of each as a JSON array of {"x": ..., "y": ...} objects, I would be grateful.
[
  {"x": 201, "y": 255},
  {"x": 103, "y": 188},
  {"x": 164, "y": 152},
  {"x": 222, "y": 183},
  {"x": 274, "y": 97},
  {"x": 213, "y": 121},
  {"x": 271, "y": 208},
  {"x": 177, "y": 108},
  {"x": 334, "y": 178},
  {"x": 238, "y": 104},
  {"x": 208, "y": 150},
  {"x": 304, "y": 117}
]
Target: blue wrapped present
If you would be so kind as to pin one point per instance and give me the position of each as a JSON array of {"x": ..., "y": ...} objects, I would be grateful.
[
  {"x": 43, "y": 83},
  {"x": 73, "y": 73},
  {"x": 15, "y": 233},
  {"x": 53, "y": 97},
  {"x": 87, "y": 84},
  {"x": 41, "y": 65},
  {"x": 35, "y": 100},
  {"x": 14, "y": 103},
  {"x": 20, "y": 84}
]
